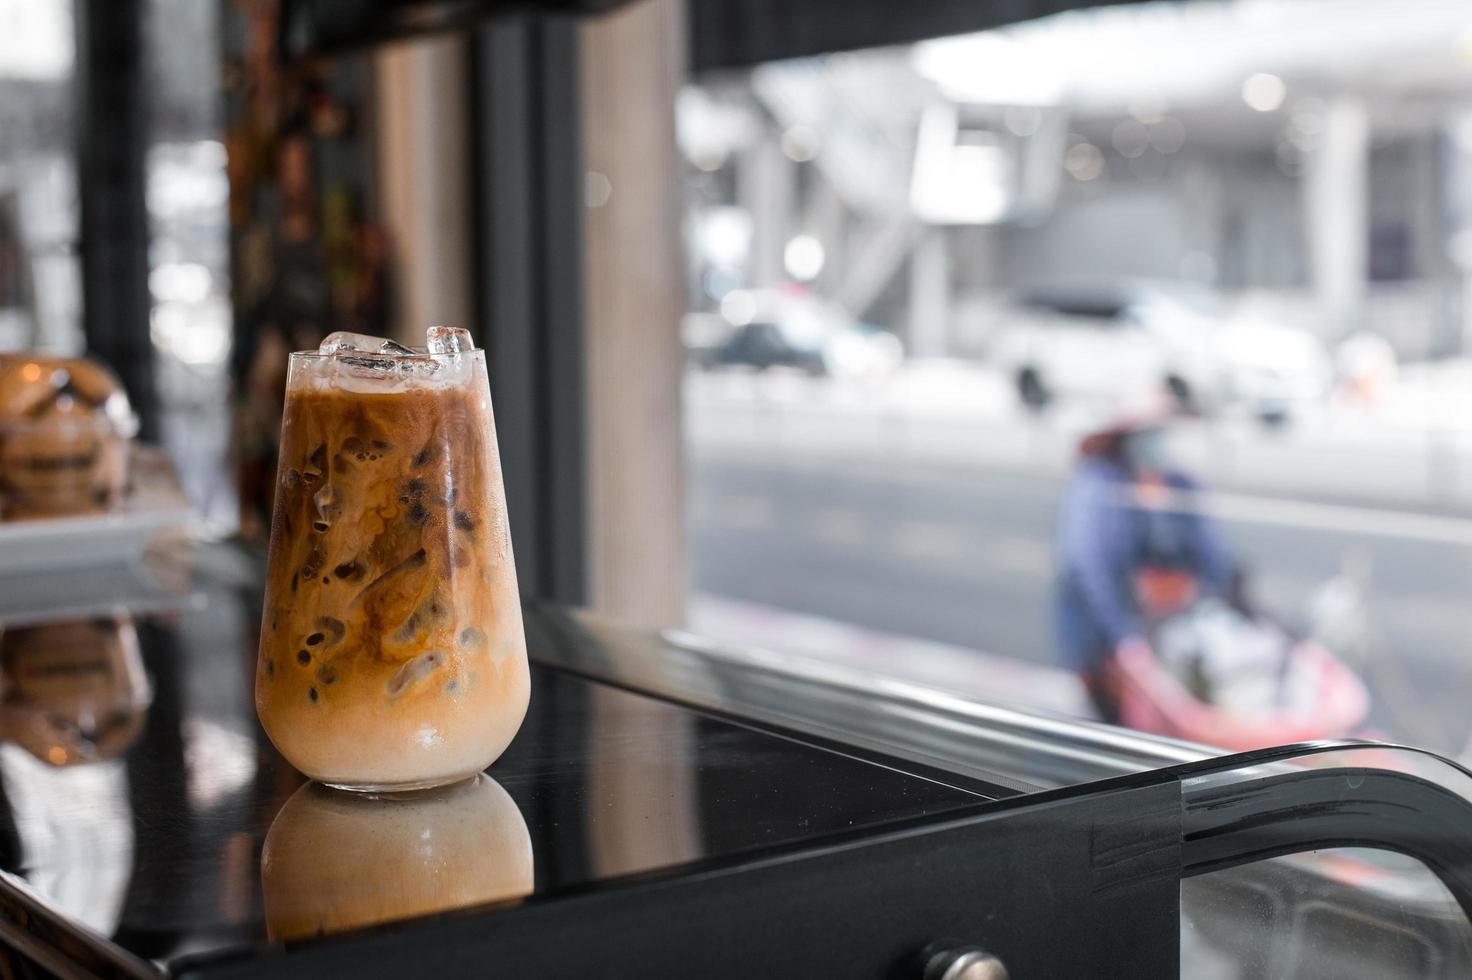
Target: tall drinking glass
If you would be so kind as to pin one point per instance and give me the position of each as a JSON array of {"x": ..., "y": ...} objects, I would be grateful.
[{"x": 392, "y": 655}]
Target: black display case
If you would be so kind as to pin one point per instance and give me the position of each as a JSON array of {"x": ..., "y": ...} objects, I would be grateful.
[{"x": 678, "y": 809}]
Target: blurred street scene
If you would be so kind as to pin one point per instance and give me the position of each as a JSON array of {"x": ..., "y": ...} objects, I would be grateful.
[
  {"x": 921, "y": 277},
  {"x": 925, "y": 505}
]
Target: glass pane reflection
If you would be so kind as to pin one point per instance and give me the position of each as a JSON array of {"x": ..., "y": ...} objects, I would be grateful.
[
  {"x": 1345, "y": 914},
  {"x": 81, "y": 860},
  {"x": 1342, "y": 913}
]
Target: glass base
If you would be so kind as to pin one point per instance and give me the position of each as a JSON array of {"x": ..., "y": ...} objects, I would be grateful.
[{"x": 392, "y": 790}]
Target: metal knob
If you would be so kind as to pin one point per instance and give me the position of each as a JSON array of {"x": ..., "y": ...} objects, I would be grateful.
[{"x": 962, "y": 962}]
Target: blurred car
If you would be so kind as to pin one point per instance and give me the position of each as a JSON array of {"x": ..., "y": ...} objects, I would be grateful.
[
  {"x": 1113, "y": 339},
  {"x": 762, "y": 345},
  {"x": 796, "y": 330}
]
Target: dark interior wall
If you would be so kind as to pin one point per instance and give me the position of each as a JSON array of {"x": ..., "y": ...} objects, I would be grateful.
[
  {"x": 111, "y": 130},
  {"x": 527, "y": 173}
]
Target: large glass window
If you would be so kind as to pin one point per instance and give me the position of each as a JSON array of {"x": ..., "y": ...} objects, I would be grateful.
[
  {"x": 40, "y": 285},
  {"x": 189, "y": 278},
  {"x": 1114, "y": 362}
]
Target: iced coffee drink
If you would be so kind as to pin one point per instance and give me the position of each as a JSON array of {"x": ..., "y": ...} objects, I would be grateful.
[
  {"x": 392, "y": 655},
  {"x": 385, "y": 860}
]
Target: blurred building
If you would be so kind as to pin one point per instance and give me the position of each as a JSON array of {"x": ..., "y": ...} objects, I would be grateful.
[{"x": 1243, "y": 147}]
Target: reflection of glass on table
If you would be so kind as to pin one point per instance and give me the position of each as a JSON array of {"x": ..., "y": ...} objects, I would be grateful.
[{"x": 334, "y": 861}]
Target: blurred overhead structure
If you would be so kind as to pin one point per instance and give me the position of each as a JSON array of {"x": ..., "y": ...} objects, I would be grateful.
[
  {"x": 1335, "y": 198},
  {"x": 1185, "y": 55},
  {"x": 1302, "y": 151},
  {"x": 859, "y": 114}
]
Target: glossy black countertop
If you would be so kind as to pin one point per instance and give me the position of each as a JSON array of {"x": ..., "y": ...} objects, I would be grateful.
[{"x": 141, "y": 852}]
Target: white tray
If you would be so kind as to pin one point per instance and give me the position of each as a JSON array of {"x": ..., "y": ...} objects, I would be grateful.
[
  {"x": 91, "y": 541},
  {"x": 155, "y": 507},
  {"x": 32, "y": 597}
]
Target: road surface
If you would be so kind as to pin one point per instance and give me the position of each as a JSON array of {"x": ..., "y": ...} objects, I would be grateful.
[{"x": 829, "y": 518}]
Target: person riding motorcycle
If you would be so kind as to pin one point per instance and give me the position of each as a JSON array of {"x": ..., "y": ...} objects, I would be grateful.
[{"x": 1132, "y": 548}]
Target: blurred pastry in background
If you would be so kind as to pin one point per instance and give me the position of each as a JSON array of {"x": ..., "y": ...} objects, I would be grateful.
[{"x": 65, "y": 425}]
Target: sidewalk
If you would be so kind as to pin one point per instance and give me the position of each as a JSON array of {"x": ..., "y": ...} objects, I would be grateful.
[
  {"x": 969, "y": 673},
  {"x": 1411, "y": 451}
]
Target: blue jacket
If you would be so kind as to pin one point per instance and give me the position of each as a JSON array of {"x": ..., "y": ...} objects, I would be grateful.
[{"x": 1103, "y": 540}]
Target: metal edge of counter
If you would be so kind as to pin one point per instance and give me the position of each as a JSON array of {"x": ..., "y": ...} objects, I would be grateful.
[
  {"x": 1023, "y": 750},
  {"x": 31, "y": 928}
]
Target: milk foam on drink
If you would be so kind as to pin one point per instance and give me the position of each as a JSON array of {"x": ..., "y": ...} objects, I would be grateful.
[{"x": 392, "y": 654}]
